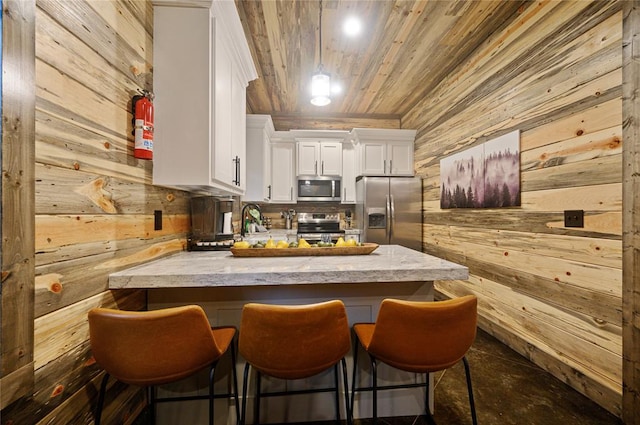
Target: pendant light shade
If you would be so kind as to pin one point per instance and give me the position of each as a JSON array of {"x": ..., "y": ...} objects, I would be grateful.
[
  {"x": 321, "y": 81},
  {"x": 320, "y": 88}
]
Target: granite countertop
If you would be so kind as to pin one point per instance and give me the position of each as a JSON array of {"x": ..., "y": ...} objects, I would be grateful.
[{"x": 388, "y": 263}]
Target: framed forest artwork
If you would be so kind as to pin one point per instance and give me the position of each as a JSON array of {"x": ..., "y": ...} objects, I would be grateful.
[{"x": 485, "y": 176}]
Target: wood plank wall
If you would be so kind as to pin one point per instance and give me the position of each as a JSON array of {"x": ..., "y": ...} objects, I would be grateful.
[
  {"x": 94, "y": 201},
  {"x": 18, "y": 188},
  {"x": 631, "y": 214},
  {"x": 552, "y": 293}
]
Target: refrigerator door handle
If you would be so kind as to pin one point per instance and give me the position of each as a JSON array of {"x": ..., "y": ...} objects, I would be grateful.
[
  {"x": 393, "y": 216},
  {"x": 388, "y": 218}
]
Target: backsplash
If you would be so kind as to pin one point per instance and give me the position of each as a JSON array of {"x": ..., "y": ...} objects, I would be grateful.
[{"x": 273, "y": 211}]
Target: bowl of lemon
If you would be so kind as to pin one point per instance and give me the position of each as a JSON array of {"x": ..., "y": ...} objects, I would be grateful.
[{"x": 282, "y": 248}]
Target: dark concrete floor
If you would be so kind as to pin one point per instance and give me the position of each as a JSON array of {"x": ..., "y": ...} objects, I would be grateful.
[{"x": 508, "y": 389}]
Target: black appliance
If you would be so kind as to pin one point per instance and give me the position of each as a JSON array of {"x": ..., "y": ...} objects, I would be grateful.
[{"x": 211, "y": 228}]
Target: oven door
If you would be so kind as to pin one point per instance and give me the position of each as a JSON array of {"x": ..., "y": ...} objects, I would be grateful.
[{"x": 320, "y": 237}]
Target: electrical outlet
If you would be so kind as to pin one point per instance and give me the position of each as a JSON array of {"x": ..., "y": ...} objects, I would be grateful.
[
  {"x": 574, "y": 218},
  {"x": 157, "y": 220}
]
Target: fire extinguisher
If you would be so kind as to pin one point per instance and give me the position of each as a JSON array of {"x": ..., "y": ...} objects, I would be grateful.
[{"x": 142, "y": 108}]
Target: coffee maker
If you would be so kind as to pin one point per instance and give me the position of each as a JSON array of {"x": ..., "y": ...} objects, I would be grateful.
[{"x": 211, "y": 228}]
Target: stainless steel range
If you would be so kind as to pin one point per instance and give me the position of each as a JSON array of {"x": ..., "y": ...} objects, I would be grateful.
[{"x": 316, "y": 227}]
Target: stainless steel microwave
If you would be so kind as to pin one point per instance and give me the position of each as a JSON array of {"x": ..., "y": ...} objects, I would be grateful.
[{"x": 319, "y": 188}]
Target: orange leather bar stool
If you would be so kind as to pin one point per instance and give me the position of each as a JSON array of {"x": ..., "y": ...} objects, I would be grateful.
[
  {"x": 149, "y": 348},
  {"x": 418, "y": 337},
  {"x": 294, "y": 342}
]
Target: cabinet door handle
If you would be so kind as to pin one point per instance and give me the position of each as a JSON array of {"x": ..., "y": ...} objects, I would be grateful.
[
  {"x": 391, "y": 166},
  {"x": 269, "y": 196},
  {"x": 236, "y": 181},
  {"x": 315, "y": 168},
  {"x": 238, "y": 170},
  {"x": 291, "y": 196},
  {"x": 235, "y": 171},
  {"x": 322, "y": 169},
  {"x": 344, "y": 196},
  {"x": 384, "y": 167}
]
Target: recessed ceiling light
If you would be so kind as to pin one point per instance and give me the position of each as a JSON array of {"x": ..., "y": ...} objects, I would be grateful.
[{"x": 352, "y": 26}]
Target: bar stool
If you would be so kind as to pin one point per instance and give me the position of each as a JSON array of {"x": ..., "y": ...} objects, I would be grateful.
[
  {"x": 149, "y": 348},
  {"x": 294, "y": 342},
  {"x": 419, "y": 337}
]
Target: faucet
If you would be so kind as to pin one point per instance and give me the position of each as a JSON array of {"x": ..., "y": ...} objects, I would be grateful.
[{"x": 243, "y": 216}]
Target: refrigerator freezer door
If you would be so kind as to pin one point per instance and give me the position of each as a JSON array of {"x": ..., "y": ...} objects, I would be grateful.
[
  {"x": 371, "y": 200},
  {"x": 406, "y": 217}
]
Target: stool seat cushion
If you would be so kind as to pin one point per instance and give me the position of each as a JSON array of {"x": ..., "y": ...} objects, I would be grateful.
[
  {"x": 294, "y": 342},
  {"x": 155, "y": 347},
  {"x": 421, "y": 336}
]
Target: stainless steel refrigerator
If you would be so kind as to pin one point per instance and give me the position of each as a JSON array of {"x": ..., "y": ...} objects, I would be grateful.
[{"x": 389, "y": 210}]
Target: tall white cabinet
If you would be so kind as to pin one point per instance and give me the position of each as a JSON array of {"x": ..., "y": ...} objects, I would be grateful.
[
  {"x": 270, "y": 162},
  {"x": 202, "y": 66},
  {"x": 259, "y": 132},
  {"x": 349, "y": 167},
  {"x": 283, "y": 176}
]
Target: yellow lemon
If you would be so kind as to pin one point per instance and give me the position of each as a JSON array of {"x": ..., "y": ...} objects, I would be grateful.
[
  {"x": 270, "y": 244},
  {"x": 282, "y": 244},
  {"x": 303, "y": 244},
  {"x": 340, "y": 242},
  {"x": 351, "y": 242},
  {"x": 241, "y": 245}
]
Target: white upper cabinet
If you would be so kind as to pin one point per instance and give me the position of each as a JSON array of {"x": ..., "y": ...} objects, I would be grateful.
[
  {"x": 382, "y": 152},
  {"x": 202, "y": 66},
  {"x": 319, "y": 157},
  {"x": 282, "y": 172},
  {"x": 259, "y": 132},
  {"x": 270, "y": 162},
  {"x": 348, "y": 173}
]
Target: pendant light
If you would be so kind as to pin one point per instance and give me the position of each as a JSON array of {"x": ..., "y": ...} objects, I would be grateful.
[{"x": 321, "y": 80}]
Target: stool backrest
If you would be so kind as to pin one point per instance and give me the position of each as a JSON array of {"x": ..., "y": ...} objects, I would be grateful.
[
  {"x": 152, "y": 347},
  {"x": 294, "y": 342},
  {"x": 424, "y": 336}
]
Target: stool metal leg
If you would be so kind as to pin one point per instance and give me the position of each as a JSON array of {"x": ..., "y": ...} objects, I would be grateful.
[
  {"x": 470, "y": 390},
  {"x": 103, "y": 390},
  {"x": 374, "y": 373},
  {"x": 337, "y": 386},
  {"x": 346, "y": 390},
  {"x": 429, "y": 417},
  {"x": 245, "y": 382},
  {"x": 152, "y": 404},
  {"x": 235, "y": 382},
  {"x": 256, "y": 418},
  {"x": 353, "y": 380},
  {"x": 212, "y": 373}
]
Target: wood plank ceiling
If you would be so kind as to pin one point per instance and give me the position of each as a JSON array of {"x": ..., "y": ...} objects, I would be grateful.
[{"x": 405, "y": 50}]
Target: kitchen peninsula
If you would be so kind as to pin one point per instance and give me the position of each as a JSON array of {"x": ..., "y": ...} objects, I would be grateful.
[
  {"x": 222, "y": 284},
  {"x": 388, "y": 263}
]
